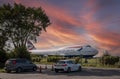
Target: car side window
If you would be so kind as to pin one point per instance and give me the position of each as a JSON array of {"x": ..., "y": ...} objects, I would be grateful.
[
  {"x": 70, "y": 62},
  {"x": 28, "y": 62},
  {"x": 21, "y": 61}
]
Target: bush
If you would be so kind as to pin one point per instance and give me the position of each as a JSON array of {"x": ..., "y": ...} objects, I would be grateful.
[
  {"x": 3, "y": 58},
  {"x": 20, "y": 52},
  {"x": 53, "y": 59},
  {"x": 36, "y": 59},
  {"x": 109, "y": 60},
  {"x": 77, "y": 60}
]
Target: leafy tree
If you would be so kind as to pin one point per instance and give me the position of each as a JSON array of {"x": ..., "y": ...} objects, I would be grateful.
[
  {"x": 21, "y": 52},
  {"x": 3, "y": 58},
  {"x": 22, "y": 24},
  {"x": 109, "y": 60},
  {"x": 3, "y": 39}
]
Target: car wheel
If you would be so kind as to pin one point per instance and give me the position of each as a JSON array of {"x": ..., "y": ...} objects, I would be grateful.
[
  {"x": 18, "y": 70},
  {"x": 79, "y": 69},
  {"x": 34, "y": 68},
  {"x": 56, "y": 70},
  {"x": 69, "y": 69},
  {"x": 8, "y": 71}
]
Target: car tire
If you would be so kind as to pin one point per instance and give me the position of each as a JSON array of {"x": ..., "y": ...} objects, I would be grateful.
[
  {"x": 56, "y": 70},
  {"x": 68, "y": 70},
  {"x": 34, "y": 68},
  {"x": 79, "y": 69},
  {"x": 18, "y": 70}
]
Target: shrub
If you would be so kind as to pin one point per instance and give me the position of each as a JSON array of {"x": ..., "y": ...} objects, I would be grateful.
[
  {"x": 36, "y": 59},
  {"x": 3, "y": 58},
  {"x": 77, "y": 60},
  {"x": 20, "y": 52},
  {"x": 53, "y": 59},
  {"x": 109, "y": 60}
]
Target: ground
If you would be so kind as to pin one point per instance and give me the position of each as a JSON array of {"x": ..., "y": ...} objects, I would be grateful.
[{"x": 86, "y": 73}]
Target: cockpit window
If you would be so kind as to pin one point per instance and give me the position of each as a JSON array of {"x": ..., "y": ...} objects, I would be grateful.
[{"x": 80, "y": 49}]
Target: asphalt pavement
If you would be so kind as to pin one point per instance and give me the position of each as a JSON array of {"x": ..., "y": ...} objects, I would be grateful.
[{"x": 86, "y": 73}]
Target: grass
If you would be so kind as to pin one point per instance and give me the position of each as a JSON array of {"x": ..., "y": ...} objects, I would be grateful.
[
  {"x": 2, "y": 70},
  {"x": 44, "y": 61},
  {"x": 94, "y": 62}
]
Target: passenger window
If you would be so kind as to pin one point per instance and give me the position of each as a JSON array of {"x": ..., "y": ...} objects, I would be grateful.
[
  {"x": 70, "y": 62},
  {"x": 28, "y": 62},
  {"x": 21, "y": 61}
]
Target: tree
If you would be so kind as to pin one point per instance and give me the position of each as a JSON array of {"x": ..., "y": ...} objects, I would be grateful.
[
  {"x": 3, "y": 39},
  {"x": 22, "y": 24},
  {"x": 109, "y": 60}
]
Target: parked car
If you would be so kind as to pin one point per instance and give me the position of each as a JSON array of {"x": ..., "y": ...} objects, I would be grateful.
[
  {"x": 67, "y": 66},
  {"x": 19, "y": 65}
]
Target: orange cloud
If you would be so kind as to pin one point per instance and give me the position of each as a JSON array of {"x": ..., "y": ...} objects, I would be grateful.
[
  {"x": 52, "y": 11},
  {"x": 59, "y": 34}
]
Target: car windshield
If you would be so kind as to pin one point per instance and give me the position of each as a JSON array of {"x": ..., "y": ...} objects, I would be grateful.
[{"x": 61, "y": 62}]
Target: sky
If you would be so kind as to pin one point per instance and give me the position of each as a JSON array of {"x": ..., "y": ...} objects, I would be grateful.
[{"x": 79, "y": 22}]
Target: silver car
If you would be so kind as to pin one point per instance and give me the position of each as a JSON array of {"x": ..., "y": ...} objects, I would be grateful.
[{"x": 19, "y": 65}]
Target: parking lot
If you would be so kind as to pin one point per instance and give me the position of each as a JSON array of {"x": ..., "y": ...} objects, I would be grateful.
[{"x": 86, "y": 73}]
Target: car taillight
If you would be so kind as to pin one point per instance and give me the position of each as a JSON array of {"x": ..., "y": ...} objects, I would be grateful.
[
  {"x": 14, "y": 62},
  {"x": 64, "y": 65}
]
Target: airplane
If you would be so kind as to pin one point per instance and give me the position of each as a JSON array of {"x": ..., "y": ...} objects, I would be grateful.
[{"x": 66, "y": 51}]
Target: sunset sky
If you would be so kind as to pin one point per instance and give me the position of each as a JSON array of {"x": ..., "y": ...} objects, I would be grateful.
[{"x": 81, "y": 22}]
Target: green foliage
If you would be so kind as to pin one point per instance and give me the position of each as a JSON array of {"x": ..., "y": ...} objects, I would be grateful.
[
  {"x": 21, "y": 24},
  {"x": 3, "y": 39},
  {"x": 36, "y": 59},
  {"x": 2, "y": 70},
  {"x": 53, "y": 59},
  {"x": 77, "y": 60},
  {"x": 109, "y": 60},
  {"x": 20, "y": 52},
  {"x": 3, "y": 58}
]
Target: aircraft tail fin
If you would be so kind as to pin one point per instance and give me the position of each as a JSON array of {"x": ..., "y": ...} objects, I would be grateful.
[{"x": 30, "y": 45}]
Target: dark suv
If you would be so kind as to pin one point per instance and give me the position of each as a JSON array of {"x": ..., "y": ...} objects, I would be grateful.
[{"x": 19, "y": 65}]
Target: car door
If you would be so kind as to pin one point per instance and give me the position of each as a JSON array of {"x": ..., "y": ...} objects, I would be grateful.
[
  {"x": 74, "y": 66},
  {"x": 29, "y": 64},
  {"x": 71, "y": 65},
  {"x": 22, "y": 63},
  {"x": 25, "y": 64}
]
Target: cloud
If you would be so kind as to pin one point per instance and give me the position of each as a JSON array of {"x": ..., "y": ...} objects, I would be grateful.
[
  {"x": 96, "y": 24},
  {"x": 104, "y": 30}
]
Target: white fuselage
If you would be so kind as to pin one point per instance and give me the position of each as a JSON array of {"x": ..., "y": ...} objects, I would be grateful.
[{"x": 68, "y": 51}]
